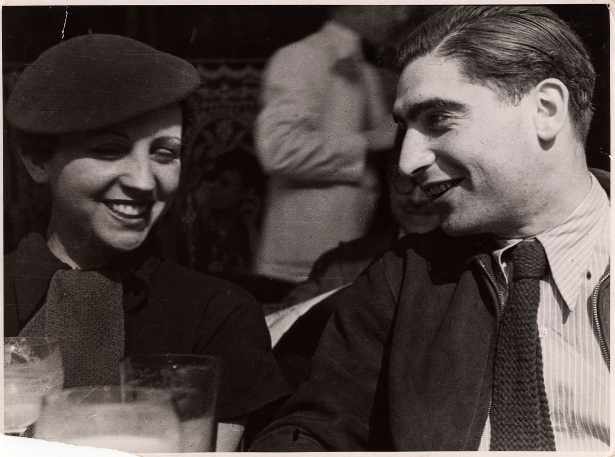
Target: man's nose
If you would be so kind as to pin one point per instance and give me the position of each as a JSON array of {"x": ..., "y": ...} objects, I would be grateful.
[
  {"x": 137, "y": 171},
  {"x": 416, "y": 155}
]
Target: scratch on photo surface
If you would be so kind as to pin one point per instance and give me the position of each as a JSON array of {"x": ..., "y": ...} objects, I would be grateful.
[
  {"x": 342, "y": 368},
  {"x": 64, "y": 26}
]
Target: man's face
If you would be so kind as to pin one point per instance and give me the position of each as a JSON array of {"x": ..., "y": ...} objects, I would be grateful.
[{"x": 474, "y": 154}]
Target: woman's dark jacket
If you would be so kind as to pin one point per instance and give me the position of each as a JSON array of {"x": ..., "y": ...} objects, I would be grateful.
[{"x": 167, "y": 309}]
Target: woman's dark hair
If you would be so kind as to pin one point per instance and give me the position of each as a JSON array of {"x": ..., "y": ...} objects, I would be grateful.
[
  {"x": 38, "y": 147},
  {"x": 510, "y": 49},
  {"x": 189, "y": 109}
]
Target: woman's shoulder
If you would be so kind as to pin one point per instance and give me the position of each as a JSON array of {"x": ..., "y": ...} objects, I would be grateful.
[{"x": 172, "y": 278}]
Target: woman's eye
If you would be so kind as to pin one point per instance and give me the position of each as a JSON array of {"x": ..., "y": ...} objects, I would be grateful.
[
  {"x": 166, "y": 155},
  {"x": 165, "y": 149},
  {"x": 109, "y": 151}
]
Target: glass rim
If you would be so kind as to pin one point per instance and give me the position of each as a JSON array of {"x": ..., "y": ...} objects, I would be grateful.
[
  {"x": 91, "y": 395},
  {"x": 32, "y": 339}
]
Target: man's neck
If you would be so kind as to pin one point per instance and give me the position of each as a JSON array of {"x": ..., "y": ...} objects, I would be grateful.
[{"x": 555, "y": 209}]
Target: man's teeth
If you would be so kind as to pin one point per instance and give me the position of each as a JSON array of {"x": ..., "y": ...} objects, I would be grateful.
[
  {"x": 129, "y": 209},
  {"x": 440, "y": 188}
]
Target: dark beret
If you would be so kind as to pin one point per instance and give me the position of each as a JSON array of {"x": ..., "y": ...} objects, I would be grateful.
[{"x": 94, "y": 81}]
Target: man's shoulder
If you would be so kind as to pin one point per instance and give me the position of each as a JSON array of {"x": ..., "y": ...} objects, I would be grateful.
[
  {"x": 366, "y": 247},
  {"x": 435, "y": 250}
]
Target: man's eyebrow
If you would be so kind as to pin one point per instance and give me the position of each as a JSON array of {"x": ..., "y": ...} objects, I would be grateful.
[{"x": 412, "y": 112}]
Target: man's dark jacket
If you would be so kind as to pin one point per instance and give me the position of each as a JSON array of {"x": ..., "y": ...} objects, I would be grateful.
[{"x": 406, "y": 361}]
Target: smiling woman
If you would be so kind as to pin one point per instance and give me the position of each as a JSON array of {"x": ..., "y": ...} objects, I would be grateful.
[
  {"x": 111, "y": 186},
  {"x": 99, "y": 119}
]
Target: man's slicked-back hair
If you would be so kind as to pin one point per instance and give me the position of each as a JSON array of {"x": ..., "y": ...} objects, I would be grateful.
[{"x": 510, "y": 49}]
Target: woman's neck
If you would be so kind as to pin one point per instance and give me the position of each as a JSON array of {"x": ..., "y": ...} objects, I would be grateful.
[{"x": 78, "y": 255}]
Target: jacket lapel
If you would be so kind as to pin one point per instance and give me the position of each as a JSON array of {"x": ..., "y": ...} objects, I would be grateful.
[
  {"x": 35, "y": 265},
  {"x": 439, "y": 394}
]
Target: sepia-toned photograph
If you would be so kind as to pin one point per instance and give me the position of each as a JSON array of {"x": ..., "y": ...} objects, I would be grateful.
[{"x": 306, "y": 228}]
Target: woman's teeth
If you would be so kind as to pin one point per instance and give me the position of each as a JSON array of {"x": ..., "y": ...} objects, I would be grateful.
[{"x": 129, "y": 210}]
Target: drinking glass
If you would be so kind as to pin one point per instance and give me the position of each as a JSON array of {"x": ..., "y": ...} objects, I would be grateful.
[
  {"x": 193, "y": 382},
  {"x": 121, "y": 418},
  {"x": 32, "y": 368}
]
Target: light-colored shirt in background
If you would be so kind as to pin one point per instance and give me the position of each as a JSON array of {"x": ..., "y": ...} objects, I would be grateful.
[{"x": 309, "y": 140}]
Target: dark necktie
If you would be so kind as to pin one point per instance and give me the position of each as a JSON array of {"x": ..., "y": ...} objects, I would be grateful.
[{"x": 520, "y": 410}]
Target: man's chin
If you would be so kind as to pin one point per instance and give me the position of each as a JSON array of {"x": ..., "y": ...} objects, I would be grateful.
[
  {"x": 454, "y": 228},
  {"x": 421, "y": 224}
]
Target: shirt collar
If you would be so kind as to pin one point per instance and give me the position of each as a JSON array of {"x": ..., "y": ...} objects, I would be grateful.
[
  {"x": 570, "y": 244},
  {"x": 347, "y": 42},
  {"x": 35, "y": 265}
]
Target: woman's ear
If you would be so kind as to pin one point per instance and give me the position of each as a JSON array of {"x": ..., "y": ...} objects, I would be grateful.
[
  {"x": 551, "y": 103},
  {"x": 37, "y": 167}
]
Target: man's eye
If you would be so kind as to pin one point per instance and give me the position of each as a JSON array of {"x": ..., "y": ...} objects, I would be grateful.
[{"x": 438, "y": 122}]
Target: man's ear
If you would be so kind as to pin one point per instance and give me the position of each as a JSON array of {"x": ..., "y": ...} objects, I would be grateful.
[
  {"x": 37, "y": 167},
  {"x": 551, "y": 103}
]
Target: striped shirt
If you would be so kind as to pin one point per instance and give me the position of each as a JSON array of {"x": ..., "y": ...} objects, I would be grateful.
[{"x": 575, "y": 372}]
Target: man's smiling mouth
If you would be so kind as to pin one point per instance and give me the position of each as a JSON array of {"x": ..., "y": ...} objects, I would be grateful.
[
  {"x": 128, "y": 209},
  {"x": 438, "y": 189}
]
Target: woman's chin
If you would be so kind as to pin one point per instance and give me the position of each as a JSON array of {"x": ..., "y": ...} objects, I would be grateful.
[{"x": 124, "y": 242}]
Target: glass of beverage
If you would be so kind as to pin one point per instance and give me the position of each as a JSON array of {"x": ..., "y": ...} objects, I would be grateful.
[
  {"x": 32, "y": 368},
  {"x": 121, "y": 418},
  {"x": 193, "y": 382}
]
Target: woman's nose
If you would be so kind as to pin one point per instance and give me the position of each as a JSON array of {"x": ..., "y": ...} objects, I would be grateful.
[
  {"x": 416, "y": 154},
  {"x": 138, "y": 173}
]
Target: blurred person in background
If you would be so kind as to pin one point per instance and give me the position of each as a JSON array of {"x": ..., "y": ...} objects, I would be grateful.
[
  {"x": 324, "y": 114},
  {"x": 411, "y": 212},
  {"x": 228, "y": 206}
]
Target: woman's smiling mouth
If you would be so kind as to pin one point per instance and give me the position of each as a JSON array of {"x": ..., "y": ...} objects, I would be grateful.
[{"x": 128, "y": 209}]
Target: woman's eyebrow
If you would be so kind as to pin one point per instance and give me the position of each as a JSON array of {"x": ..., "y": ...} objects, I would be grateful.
[
  {"x": 106, "y": 132},
  {"x": 165, "y": 140}
]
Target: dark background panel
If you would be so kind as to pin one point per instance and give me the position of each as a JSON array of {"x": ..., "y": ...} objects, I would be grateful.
[
  {"x": 198, "y": 32},
  {"x": 591, "y": 22},
  {"x": 229, "y": 45},
  {"x": 244, "y": 32}
]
